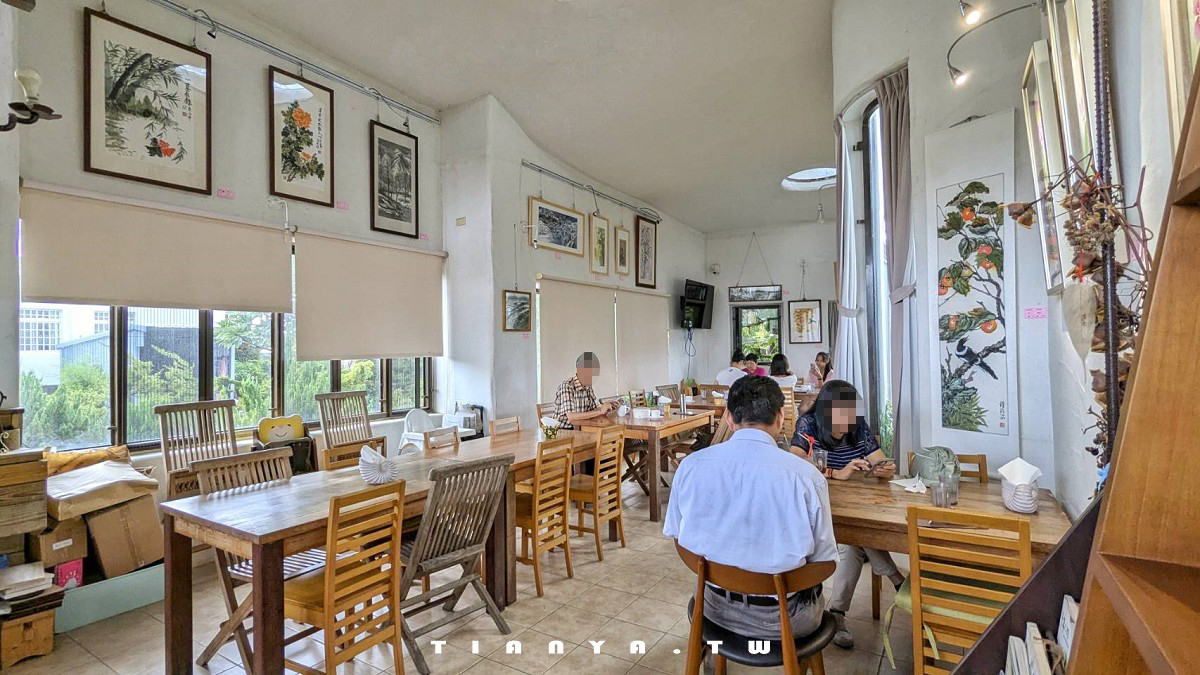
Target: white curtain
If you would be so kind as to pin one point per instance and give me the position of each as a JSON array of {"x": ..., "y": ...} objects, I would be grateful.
[{"x": 847, "y": 351}]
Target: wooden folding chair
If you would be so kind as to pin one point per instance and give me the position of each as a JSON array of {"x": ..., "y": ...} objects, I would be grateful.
[
  {"x": 504, "y": 425},
  {"x": 191, "y": 432},
  {"x": 443, "y": 437},
  {"x": 355, "y": 598},
  {"x": 542, "y": 516},
  {"x": 239, "y": 472},
  {"x": 602, "y": 490},
  {"x": 454, "y": 529}
]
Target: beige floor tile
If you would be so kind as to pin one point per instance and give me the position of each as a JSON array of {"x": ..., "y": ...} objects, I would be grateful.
[
  {"x": 451, "y": 661},
  {"x": 584, "y": 661},
  {"x": 535, "y": 657},
  {"x": 559, "y": 590},
  {"x": 639, "y": 669},
  {"x": 484, "y": 631},
  {"x": 486, "y": 667},
  {"x": 682, "y": 627},
  {"x": 527, "y": 611},
  {"x": 667, "y": 656},
  {"x": 674, "y": 591},
  {"x": 570, "y": 623},
  {"x": 618, "y": 636},
  {"x": 850, "y": 662},
  {"x": 651, "y": 613},
  {"x": 601, "y": 600},
  {"x": 68, "y": 657},
  {"x": 630, "y": 580}
]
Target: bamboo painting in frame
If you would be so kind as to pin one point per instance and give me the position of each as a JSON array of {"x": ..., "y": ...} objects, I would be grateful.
[
  {"x": 393, "y": 181},
  {"x": 147, "y": 110},
  {"x": 645, "y": 252},
  {"x": 301, "y": 136},
  {"x": 804, "y": 317},
  {"x": 598, "y": 247},
  {"x": 518, "y": 310},
  {"x": 621, "y": 250},
  {"x": 555, "y": 227}
]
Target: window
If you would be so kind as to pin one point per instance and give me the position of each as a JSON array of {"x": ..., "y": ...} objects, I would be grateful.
[
  {"x": 406, "y": 384},
  {"x": 362, "y": 374},
  {"x": 40, "y": 330},
  {"x": 879, "y": 306},
  {"x": 163, "y": 365},
  {"x": 65, "y": 388},
  {"x": 756, "y": 329},
  {"x": 241, "y": 362},
  {"x": 101, "y": 320},
  {"x": 302, "y": 380}
]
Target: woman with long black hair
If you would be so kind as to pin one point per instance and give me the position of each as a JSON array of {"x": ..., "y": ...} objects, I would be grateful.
[{"x": 834, "y": 425}]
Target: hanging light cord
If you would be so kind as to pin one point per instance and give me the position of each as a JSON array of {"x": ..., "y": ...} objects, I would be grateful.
[{"x": 754, "y": 242}]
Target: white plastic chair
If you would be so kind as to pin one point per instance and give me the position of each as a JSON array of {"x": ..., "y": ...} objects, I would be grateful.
[{"x": 416, "y": 423}]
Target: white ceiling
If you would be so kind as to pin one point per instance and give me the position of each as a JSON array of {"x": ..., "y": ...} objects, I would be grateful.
[{"x": 699, "y": 107}]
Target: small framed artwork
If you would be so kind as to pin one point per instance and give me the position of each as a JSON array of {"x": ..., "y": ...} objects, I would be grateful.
[
  {"x": 756, "y": 293},
  {"x": 621, "y": 250},
  {"x": 146, "y": 106},
  {"x": 598, "y": 256},
  {"x": 646, "y": 261},
  {"x": 518, "y": 310},
  {"x": 555, "y": 227},
  {"x": 301, "y": 127},
  {"x": 393, "y": 180},
  {"x": 804, "y": 317}
]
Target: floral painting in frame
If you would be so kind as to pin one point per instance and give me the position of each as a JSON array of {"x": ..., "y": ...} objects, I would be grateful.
[
  {"x": 621, "y": 250},
  {"x": 646, "y": 252},
  {"x": 804, "y": 317},
  {"x": 555, "y": 227},
  {"x": 393, "y": 180},
  {"x": 301, "y": 127},
  {"x": 598, "y": 248},
  {"x": 147, "y": 111}
]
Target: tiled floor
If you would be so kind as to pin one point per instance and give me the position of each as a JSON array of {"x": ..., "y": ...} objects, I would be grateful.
[{"x": 636, "y": 593}]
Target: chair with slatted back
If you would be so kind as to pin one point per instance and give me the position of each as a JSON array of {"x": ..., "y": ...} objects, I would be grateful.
[
  {"x": 348, "y": 454},
  {"x": 964, "y": 567},
  {"x": 193, "y": 432},
  {"x": 542, "y": 515},
  {"x": 443, "y": 437},
  {"x": 601, "y": 491},
  {"x": 637, "y": 399},
  {"x": 504, "y": 425},
  {"x": 545, "y": 410},
  {"x": 454, "y": 529},
  {"x": 243, "y": 472},
  {"x": 723, "y": 431},
  {"x": 979, "y": 473},
  {"x": 344, "y": 417},
  {"x": 789, "y": 413},
  {"x": 671, "y": 391},
  {"x": 707, "y": 390}
]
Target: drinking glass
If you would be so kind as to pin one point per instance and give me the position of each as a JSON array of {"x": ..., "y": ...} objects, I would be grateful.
[
  {"x": 820, "y": 458},
  {"x": 951, "y": 483},
  {"x": 939, "y": 493}
]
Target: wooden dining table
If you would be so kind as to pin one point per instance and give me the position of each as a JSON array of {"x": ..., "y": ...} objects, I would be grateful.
[
  {"x": 262, "y": 523},
  {"x": 873, "y": 513}
]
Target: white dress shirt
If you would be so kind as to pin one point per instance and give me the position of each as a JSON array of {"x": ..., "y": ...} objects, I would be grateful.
[
  {"x": 728, "y": 376},
  {"x": 748, "y": 504}
]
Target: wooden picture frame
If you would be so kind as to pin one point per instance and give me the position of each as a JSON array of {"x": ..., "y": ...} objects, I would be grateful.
[
  {"x": 295, "y": 173},
  {"x": 621, "y": 250},
  {"x": 516, "y": 314},
  {"x": 394, "y": 181},
  {"x": 1048, "y": 159},
  {"x": 599, "y": 248},
  {"x": 769, "y": 293},
  {"x": 804, "y": 322},
  {"x": 161, "y": 80},
  {"x": 555, "y": 227},
  {"x": 645, "y": 252}
]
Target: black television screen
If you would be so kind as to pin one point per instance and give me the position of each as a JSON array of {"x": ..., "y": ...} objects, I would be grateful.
[
  {"x": 694, "y": 291},
  {"x": 696, "y": 305}
]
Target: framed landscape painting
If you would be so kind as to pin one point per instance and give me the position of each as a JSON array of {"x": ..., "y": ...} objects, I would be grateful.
[
  {"x": 146, "y": 106},
  {"x": 646, "y": 258},
  {"x": 518, "y": 310},
  {"x": 555, "y": 227},
  {"x": 804, "y": 317},
  {"x": 621, "y": 250},
  {"x": 598, "y": 248},
  {"x": 301, "y": 138},
  {"x": 393, "y": 180},
  {"x": 756, "y": 293}
]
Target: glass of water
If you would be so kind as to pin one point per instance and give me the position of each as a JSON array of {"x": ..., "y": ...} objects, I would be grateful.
[
  {"x": 940, "y": 494},
  {"x": 820, "y": 458}
]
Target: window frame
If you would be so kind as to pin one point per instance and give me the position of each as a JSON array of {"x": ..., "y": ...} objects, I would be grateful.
[
  {"x": 874, "y": 406},
  {"x": 736, "y": 323}
]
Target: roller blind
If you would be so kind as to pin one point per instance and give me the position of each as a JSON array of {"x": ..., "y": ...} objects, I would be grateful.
[
  {"x": 642, "y": 337},
  {"x": 572, "y": 319},
  {"x": 358, "y": 300},
  {"x": 93, "y": 251}
]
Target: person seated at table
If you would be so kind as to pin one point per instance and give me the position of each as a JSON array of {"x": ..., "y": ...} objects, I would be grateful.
[
  {"x": 834, "y": 425},
  {"x": 820, "y": 370},
  {"x": 735, "y": 371},
  {"x": 746, "y": 504},
  {"x": 781, "y": 373},
  {"x": 752, "y": 367},
  {"x": 575, "y": 401}
]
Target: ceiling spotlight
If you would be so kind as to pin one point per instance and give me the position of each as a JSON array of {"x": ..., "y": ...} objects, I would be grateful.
[
  {"x": 957, "y": 76},
  {"x": 970, "y": 14}
]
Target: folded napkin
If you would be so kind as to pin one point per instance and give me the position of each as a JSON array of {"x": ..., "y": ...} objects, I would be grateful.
[
  {"x": 1020, "y": 472},
  {"x": 550, "y": 422},
  {"x": 910, "y": 484},
  {"x": 376, "y": 469}
]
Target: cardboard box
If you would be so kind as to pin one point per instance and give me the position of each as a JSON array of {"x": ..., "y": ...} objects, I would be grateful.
[
  {"x": 61, "y": 542},
  {"x": 22, "y": 492},
  {"x": 127, "y": 536},
  {"x": 69, "y": 574}
]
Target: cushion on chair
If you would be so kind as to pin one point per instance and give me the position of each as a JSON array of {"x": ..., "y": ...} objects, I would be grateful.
[{"x": 736, "y": 647}]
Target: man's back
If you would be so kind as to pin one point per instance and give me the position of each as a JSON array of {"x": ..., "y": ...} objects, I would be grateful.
[{"x": 748, "y": 504}]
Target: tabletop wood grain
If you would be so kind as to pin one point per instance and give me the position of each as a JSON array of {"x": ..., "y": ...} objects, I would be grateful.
[
  {"x": 522, "y": 444},
  {"x": 663, "y": 425}
]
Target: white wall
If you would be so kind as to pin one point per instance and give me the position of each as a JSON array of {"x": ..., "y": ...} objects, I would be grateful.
[
  {"x": 783, "y": 248},
  {"x": 9, "y": 161}
]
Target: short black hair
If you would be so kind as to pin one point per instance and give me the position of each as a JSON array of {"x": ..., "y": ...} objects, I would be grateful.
[
  {"x": 754, "y": 399},
  {"x": 737, "y": 357},
  {"x": 752, "y": 357}
]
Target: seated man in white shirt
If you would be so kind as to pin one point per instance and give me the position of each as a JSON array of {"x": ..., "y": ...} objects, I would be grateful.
[
  {"x": 734, "y": 372},
  {"x": 748, "y": 504}
]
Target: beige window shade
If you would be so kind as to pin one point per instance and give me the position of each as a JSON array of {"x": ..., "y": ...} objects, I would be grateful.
[
  {"x": 357, "y": 300},
  {"x": 641, "y": 340},
  {"x": 93, "y": 251},
  {"x": 572, "y": 319}
]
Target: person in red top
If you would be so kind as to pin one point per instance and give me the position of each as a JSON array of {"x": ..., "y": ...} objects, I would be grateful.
[{"x": 752, "y": 367}]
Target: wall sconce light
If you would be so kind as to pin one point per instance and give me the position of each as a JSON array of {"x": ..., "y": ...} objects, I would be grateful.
[
  {"x": 970, "y": 14},
  {"x": 29, "y": 110},
  {"x": 957, "y": 76}
]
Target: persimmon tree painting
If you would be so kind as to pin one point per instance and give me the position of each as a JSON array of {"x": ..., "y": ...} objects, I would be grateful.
[{"x": 971, "y": 311}]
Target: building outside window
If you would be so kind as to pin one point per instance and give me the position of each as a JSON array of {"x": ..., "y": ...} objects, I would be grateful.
[{"x": 39, "y": 330}]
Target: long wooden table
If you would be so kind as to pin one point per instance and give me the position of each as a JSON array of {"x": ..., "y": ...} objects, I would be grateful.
[
  {"x": 873, "y": 513},
  {"x": 263, "y": 523}
]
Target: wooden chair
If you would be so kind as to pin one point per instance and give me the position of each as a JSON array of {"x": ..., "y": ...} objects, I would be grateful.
[
  {"x": 542, "y": 515},
  {"x": 723, "y": 432},
  {"x": 637, "y": 399},
  {"x": 355, "y": 599},
  {"x": 444, "y": 437},
  {"x": 344, "y": 417},
  {"x": 454, "y": 529},
  {"x": 706, "y": 390},
  {"x": 671, "y": 391},
  {"x": 240, "y": 472},
  {"x": 348, "y": 454},
  {"x": 602, "y": 491},
  {"x": 545, "y": 410},
  {"x": 789, "y": 413},
  {"x": 191, "y": 432},
  {"x": 959, "y": 580},
  {"x": 795, "y": 654},
  {"x": 504, "y": 425},
  {"x": 979, "y": 473}
]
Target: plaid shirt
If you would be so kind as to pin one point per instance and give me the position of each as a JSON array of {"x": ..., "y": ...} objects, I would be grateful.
[{"x": 572, "y": 396}]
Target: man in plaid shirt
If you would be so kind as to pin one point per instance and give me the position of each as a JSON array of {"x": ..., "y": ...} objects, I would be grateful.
[{"x": 575, "y": 400}]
